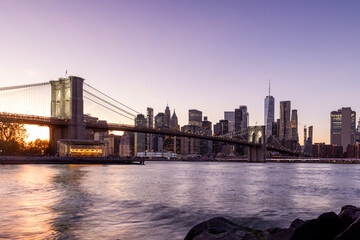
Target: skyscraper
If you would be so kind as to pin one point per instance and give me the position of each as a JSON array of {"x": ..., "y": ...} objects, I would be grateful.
[
  {"x": 206, "y": 124},
  {"x": 343, "y": 127},
  {"x": 150, "y": 117},
  {"x": 230, "y": 116},
  {"x": 269, "y": 113},
  {"x": 195, "y": 117},
  {"x": 310, "y": 138},
  {"x": 167, "y": 118},
  {"x": 241, "y": 121},
  {"x": 140, "y": 121},
  {"x": 294, "y": 126},
  {"x": 160, "y": 121},
  {"x": 206, "y": 146},
  {"x": 285, "y": 124},
  {"x": 174, "y": 122},
  {"x": 150, "y": 124},
  {"x": 158, "y": 140}
]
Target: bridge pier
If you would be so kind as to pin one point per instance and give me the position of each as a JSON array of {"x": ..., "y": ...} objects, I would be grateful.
[
  {"x": 257, "y": 153},
  {"x": 67, "y": 103}
]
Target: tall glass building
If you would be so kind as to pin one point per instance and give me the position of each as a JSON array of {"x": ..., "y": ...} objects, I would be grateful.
[
  {"x": 285, "y": 122},
  {"x": 230, "y": 116},
  {"x": 269, "y": 114},
  {"x": 343, "y": 127},
  {"x": 195, "y": 117},
  {"x": 140, "y": 121}
]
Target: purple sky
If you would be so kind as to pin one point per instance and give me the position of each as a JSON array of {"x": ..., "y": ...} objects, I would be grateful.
[{"x": 209, "y": 55}]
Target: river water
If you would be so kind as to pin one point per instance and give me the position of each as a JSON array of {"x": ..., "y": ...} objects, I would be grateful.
[{"x": 163, "y": 200}]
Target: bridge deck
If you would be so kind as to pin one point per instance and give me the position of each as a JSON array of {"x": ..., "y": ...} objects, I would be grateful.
[{"x": 49, "y": 121}]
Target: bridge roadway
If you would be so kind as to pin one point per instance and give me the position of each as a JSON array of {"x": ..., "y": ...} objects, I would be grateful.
[{"x": 102, "y": 126}]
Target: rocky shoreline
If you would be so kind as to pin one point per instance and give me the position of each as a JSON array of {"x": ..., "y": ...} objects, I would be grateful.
[{"x": 328, "y": 226}]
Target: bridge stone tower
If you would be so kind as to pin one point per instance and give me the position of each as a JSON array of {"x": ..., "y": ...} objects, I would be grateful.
[
  {"x": 257, "y": 135},
  {"x": 67, "y": 103}
]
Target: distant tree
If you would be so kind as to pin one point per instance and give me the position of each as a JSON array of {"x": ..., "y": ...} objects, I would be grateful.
[
  {"x": 12, "y": 137},
  {"x": 37, "y": 147}
]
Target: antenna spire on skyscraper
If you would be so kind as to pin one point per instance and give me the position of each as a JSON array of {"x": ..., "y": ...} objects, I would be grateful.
[{"x": 269, "y": 88}]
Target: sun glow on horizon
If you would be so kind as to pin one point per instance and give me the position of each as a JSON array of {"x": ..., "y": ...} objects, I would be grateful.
[{"x": 35, "y": 132}]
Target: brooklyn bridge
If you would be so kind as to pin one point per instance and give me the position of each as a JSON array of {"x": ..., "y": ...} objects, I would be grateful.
[{"x": 67, "y": 120}]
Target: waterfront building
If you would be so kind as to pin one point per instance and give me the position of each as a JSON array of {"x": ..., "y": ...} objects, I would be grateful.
[
  {"x": 190, "y": 146},
  {"x": 140, "y": 146},
  {"x": 342, "y": 127},
  {"x": 285, "y": 123},
  {"x": 82, "y": 148},
  {"x": 113, "y": 143},
  {"x": 195, "y": 117},
  {"x": 126, "y": 148},
  {"x": 322, "y": 150},
  {"x": 230, "y": 116},
  {"x": 353, "y": 150}
]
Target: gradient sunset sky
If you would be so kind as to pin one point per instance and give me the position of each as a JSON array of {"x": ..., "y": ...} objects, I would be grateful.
[{"x": 208, "y": 55}]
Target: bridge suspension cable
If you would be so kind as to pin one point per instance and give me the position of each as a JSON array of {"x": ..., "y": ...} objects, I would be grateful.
[
  {"x": 24, "y": 86},
  {"x": 111, "y": 98},
  {"x": 109, "y": 103},
  {"x": 102, "y": 105}
]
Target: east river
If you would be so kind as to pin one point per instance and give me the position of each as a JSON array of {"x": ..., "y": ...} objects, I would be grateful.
[{"x": 163, "y": 200}]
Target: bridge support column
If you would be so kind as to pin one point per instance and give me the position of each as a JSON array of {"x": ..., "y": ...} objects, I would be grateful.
[
  {"x": 67, "y": 103},
  {"x": 257, "y": 154},
  {"x": 56, "y": 133},
  {"x": 76, "y": 125}
]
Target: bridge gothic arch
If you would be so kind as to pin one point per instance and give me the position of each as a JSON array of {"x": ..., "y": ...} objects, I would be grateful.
[{"x": 257, "y": 153}]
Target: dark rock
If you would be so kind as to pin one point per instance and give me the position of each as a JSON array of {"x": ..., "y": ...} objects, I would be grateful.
[
  {"x": 285, "y": 234},
  {"x": 220, "y": 228},
  {"x": 351, "y": 233},
  {"x": 297, "y": 223},
  {"x": 326, "y": 227},
  {"x": 349, "y": 214}
]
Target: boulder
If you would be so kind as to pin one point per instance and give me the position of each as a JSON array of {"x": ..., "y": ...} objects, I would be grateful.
[
  {"x": 219, "y": 228},
  {"x": 326, "y": 227},
  {"x": 286, "y": 234},
  {"x": 349, "y": 214},
  {"x": 351, "y": 233}
]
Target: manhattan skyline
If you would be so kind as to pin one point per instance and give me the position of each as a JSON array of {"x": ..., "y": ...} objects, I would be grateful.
[{"x": 212, "y": 56}]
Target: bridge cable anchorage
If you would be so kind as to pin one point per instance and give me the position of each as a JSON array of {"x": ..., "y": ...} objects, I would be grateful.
[
  {"x": 112, "y": 98},
  {"x": 114, "y": 106},
  {"x": 24, "y": 86},
  {"x": 108, "y": 108}
]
